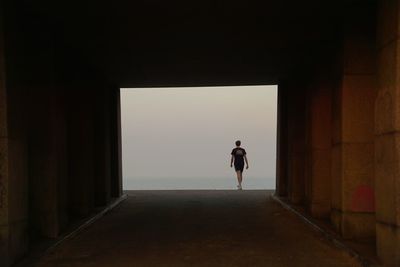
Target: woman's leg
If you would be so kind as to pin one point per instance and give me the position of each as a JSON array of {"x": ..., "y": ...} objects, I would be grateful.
[{"x": 239, "y": 177}]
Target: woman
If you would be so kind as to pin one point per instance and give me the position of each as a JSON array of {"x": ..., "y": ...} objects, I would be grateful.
[{"x": 238, "y": 158}]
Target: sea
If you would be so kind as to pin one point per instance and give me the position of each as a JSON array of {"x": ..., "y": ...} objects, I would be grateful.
[{"x": 200, "y": 183}]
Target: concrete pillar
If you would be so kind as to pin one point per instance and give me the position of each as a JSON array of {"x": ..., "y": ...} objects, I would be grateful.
[
  {"x": 47, "y": 162},
  {"x": 4, "y": 162},
  {"x": 81, "y": 151},
  {"x": 387, "y": 134},
  {"x": 116, "y": 149},
  {"x": 102, "y": 147},
  {"x": 296, "y": 142},
  {"x": 282, "y": 139},
  {"x": 13, "y": 168},
  {"x": 318, "y": 142},
  {"x": 18, "y": 191},
  {"x": 353, "y": 201}
]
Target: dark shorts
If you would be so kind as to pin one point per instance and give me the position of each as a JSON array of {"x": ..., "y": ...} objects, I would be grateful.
[{"x": 239, "y": 167}]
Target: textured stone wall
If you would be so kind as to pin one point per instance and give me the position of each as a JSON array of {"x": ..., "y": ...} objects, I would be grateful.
[
  {"x": 13, "y": 166},
  {"x": 102, "y": 141},
  {"x": 318, "y": 141},
  {"x": 353, "y": 190},
  {"x": 296, "y": 130},
  {"x": 4, "y": 214},
  {"x": 387, "y": 134},
  {"x": 81, "y": 160},
  {"x": 281, "y": 145},
  {"x": 116, "y": 146},
  {"x": 48, "y": 175},
  {"x": 58, "y": 133}
]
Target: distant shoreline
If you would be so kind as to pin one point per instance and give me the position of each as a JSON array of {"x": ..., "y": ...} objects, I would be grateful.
[{"x": 197, "y": 183}]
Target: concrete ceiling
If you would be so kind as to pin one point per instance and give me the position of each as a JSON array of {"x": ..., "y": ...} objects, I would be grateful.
[{"x": 201, "y": 42}]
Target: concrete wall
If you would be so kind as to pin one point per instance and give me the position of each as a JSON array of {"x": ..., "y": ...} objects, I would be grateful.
[
  {"x": 55, "y": 164},
  {"x": 48, "y": 175},
  {"x": 46, "y": 161},
  {"x": 102, "y": 141},
  {"x": 116, "y": 145},
  {"x": 16, "y": 188},
  {"x": 318, "y": 142},
  {"x": 58, "y": 133},
  {"x": 351, "y": 132},
  {"x": 5, "y": 247},
  {"x": 281, "y": 144},
  {"x": 353, "y": 205},
  {"x": 81, "y": 162},
  {"x": 296, "y": 146},
  {"x": 387, "y": 133},
  {"x": 13, "y": 167}
]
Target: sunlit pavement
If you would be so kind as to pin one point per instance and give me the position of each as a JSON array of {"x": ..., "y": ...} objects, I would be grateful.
[{"x": 198, "y": 228}]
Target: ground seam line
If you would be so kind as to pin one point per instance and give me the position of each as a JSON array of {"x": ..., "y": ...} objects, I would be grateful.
[
  {"x": 338, "y": 243},
  {"x": 86, "y": 224}
]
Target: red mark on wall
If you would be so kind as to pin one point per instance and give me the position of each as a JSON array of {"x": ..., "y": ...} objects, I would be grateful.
[{"x": 363, "y": 199}]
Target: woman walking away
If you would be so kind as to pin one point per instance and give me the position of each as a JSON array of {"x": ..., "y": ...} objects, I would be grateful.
[{"x": 238, "y": 158}]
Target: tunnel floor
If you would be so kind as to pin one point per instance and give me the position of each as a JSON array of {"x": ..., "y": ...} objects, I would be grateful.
[{"x": 198, "y": 228}]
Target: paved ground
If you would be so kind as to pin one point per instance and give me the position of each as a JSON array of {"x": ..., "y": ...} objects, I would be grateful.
[{"x": 198, "y": 228}]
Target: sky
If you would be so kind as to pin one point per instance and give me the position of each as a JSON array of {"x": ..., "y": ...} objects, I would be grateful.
[{"x": 189, "y": 133}]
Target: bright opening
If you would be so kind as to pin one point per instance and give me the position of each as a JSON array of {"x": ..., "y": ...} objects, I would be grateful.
[{"x": 182, "y": 138}]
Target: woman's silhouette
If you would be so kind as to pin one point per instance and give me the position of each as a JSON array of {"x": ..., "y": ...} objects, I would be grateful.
[{"x": 238, "y": 158}]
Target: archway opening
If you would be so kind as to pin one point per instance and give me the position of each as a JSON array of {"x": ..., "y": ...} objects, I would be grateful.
[{"x": 182, "y": 138}]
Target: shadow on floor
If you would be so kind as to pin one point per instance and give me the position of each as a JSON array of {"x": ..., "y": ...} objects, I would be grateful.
[{"x": 198, "y": 228}]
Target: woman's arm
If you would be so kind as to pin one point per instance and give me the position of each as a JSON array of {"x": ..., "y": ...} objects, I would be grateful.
[{"x": 247, "y": 163}]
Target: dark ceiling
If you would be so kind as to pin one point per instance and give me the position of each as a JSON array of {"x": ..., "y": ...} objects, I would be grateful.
[{"x": 201, "y": 42}]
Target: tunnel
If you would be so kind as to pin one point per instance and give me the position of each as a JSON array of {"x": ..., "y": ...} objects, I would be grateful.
[{"x": 336, "y": 64}]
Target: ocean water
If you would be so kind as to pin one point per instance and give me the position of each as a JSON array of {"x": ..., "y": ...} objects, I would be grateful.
[{"x": 201, "y": 183}]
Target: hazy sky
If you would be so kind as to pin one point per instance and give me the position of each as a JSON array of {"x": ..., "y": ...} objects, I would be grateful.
[{"x": 190, "y": 132}]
